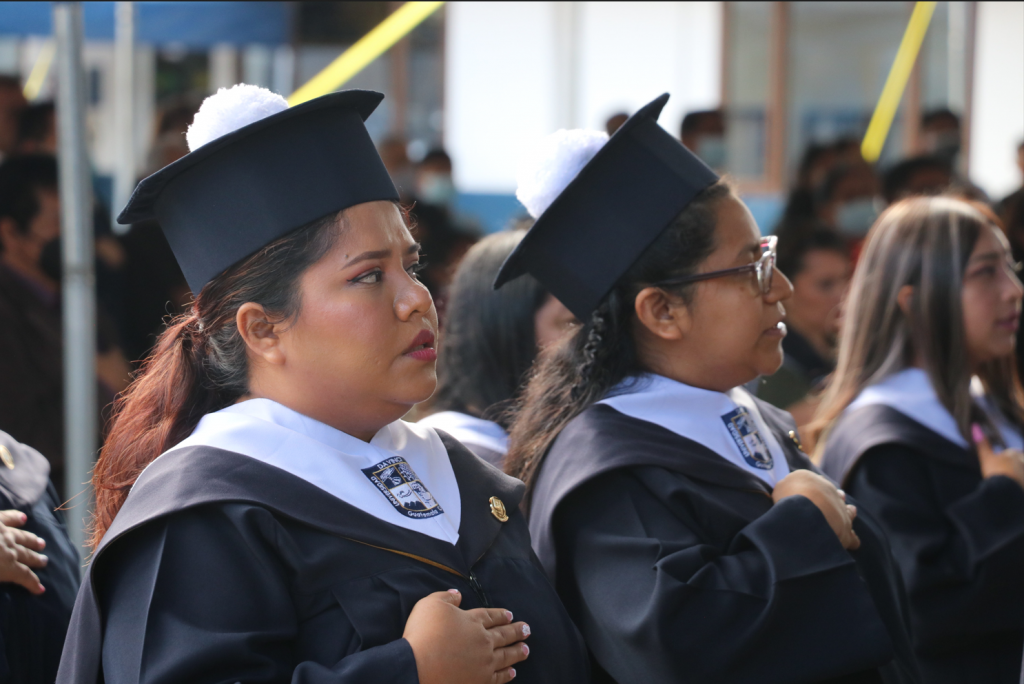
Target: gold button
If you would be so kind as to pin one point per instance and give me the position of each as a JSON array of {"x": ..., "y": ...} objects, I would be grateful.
[
  {"x": 796, "y": 440},
  {"x": 5, "y": 456},
  {"x": 498, "y": 509}
]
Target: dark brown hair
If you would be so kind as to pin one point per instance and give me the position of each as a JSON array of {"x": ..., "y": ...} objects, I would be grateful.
[
  {"x": 199, "y": 364},
  {"x": 924, "y": 242},
  {"x": 602, "y": 352}
]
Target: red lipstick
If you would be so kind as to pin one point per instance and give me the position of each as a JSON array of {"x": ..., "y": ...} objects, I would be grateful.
[{"x": 422, "y": 347}]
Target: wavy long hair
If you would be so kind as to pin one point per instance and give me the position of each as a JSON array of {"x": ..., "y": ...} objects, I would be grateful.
[
  {"x": 200, "y": 363},
  {"x": 602, "y": 353},
  {"x": 924, "y": 242}
]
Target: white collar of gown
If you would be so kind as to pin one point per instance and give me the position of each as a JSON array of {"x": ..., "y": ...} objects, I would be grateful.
[
  {"x": 728, "y": 423},
  {"x": 402, "y": 476},
  {"x": 910, "y": 392},
  {"x": 469, "y": 430}
]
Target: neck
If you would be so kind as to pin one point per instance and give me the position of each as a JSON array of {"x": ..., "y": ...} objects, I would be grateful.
[{"x": 359, "y": 427}]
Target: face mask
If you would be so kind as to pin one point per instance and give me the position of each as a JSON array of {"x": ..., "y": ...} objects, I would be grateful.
[
  {"x": 711, "y": 150},
  {"x": 945, "y": 145},
  {"x": 437, "y": 189},
  {"x": 854, "y": 219}
]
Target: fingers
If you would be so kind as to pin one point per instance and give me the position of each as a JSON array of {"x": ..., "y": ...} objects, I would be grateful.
[
  {"x": 13, "y": 518},
  {"x": 492, "y": 617},
  {"x": 20, "y": 574},
  {"x": 852, "y": 510},
  {"x": 981, "y": 442},
  {"x": 452, "y": 596},
  {"x": 842, "y": 495},
  {"x": 506, "y": 635},
  {"x": 28, "y": 540},
  {"x": 853, "y": 543},
  {"x": 510, "y": 655},
  {"x": 506, "y": 675},
  {"x": 30, "y": 558}
]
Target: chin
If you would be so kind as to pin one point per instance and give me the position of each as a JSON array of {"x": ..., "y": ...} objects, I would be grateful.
[{"x": 415, "y": 391}]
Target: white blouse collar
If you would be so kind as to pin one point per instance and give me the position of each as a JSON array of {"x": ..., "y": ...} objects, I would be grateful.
[
  {"x": 728, "y": 423},
  {"x": 402, "y": 476},
  {"x": 910, "y": 392}
]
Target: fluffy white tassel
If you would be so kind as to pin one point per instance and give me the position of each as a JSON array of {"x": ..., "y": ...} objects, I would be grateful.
[
  {"x": 547, "y": 169},
  {"x": 229, "y": 109}
]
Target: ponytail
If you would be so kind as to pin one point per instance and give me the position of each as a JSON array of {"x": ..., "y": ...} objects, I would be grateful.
[
  {"x": 602, "y": 353},
  {"x": 200, "y": 363}
]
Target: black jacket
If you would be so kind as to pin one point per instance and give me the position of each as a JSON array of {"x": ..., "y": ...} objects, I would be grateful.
[
  {"x": 221, "y": 569},
  {"x": 958, "y": 539},
  {"x": 678, "y": 567},
  {"x": 32, "y": 628}
]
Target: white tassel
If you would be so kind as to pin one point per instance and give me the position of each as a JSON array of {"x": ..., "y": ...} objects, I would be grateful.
[
  {"x": 556, "y": 159},
  {"x": 230, "y": 109}
]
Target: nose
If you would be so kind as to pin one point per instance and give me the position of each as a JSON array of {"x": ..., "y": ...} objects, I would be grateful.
[
  {"x": 412, "y": 298},
  {"x": 781, "y": 290}
]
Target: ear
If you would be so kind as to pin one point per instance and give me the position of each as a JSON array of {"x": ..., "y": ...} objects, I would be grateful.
[
  {"x": 662, "y": 314},
  {"x": 8, "y": 232},
  {"x": 903, "y": 298},
  {"x": 259, "y": 333}
]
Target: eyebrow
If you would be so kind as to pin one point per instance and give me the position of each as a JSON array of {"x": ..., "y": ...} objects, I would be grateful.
[
  {"x": 988, "y": 256},
  {"x": 381, "y": 254}
]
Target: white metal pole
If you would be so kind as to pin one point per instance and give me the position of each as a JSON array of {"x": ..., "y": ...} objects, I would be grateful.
[
  {"x": 124, "y": 109},
  {"x": 78, "y": 279}
]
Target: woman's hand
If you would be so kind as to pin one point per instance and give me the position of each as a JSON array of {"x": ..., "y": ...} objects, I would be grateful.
[
  {"x": 18, "y": 552},
  {"x": 1009, "y": 462},
  {"x": 829, "y": 500},
  {"x": 454, "y": 646}
]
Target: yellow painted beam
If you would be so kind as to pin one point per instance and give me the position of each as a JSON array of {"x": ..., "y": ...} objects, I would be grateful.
[
  {"x": 368, "y": 48},
  {"x": 896, "y": 83},
  {"x": 40, "y": 69}
]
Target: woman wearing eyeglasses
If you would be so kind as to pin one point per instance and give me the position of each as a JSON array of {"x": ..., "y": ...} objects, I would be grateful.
[
  {"x": 923, "y": 424},
  {"x": 685, "y": 531}
]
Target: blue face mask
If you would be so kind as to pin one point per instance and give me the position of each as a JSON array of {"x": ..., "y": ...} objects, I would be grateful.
[
  {"x": 855, "y": 218},
  {"x": 436, "y": 189},
  {"x": 711, "y": 150}
]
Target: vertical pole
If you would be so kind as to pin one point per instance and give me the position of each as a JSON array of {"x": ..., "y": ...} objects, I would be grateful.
[
  {"x": 78, "y": 280},
  {"x": 778, "y": 72},
  {"x": 124, "y": 108}
]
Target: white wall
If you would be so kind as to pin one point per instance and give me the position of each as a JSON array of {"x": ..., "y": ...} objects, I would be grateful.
[
  {"x": 517, "y": 71},
  {"x": 998, "y": 106}
]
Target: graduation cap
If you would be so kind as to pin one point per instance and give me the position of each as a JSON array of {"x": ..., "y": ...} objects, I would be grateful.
[
  {"x": 614, "y": 208},
  {"x": 253, "y": 184}
]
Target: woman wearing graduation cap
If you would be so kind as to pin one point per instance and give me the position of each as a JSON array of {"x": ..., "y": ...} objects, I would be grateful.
[
  {"x": 922, "y": 424},
  {"x": 686, "y": 532},
  {"x": 262, "y": 514}
]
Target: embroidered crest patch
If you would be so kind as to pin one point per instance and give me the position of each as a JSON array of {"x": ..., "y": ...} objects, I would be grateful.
[
  {"x": 397, "y": 481},
  {"x": 748, "y": 440}
]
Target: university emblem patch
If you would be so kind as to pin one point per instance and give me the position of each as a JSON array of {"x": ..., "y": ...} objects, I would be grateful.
[
  {"x": 748, "y": 440},
  {"x": 397, "y": 481}
]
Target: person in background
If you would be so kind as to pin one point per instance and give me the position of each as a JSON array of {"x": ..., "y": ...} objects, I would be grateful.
[
  {"x": 31, "y": 363},
  {"x": 818, "y": 264},
  {"x": 940, "y": 135},
  {"x": 37, "y": 129},
  {"x": 169, "y": 143},
  {"x": 816, "y": 163},
  {"x": 1009, "y": 204},
  {"x": 924, "y": 175},
  {"x": 614, "y": 121},
  {"x": 37, "y": 592},
  {"x": 924, "y": 395},
  {"x": 433, "y": 180},
  {"x": 490, "y": 342},
  {"x": 12, "y": 101},
  {"x": 849, "y": 201},
  {"x": 703, "y": 133}
]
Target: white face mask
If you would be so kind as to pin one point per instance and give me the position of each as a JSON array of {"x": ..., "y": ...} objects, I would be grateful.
[
  {"x": 712, "y": 151},
  {"x": 436, "y": 188},
  {"x": 855, "y": 218}
]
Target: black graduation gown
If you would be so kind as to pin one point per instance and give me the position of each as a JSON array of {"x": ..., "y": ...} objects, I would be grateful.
[
  {"x": 677, "y": 566},
  {"x": 32, "y": 628},
  {"x": 958, "y": 539},
  {"x": 221, "y": 569}
]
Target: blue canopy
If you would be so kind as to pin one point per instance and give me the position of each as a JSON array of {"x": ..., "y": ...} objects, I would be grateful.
[{"x": 192, "y": 24}]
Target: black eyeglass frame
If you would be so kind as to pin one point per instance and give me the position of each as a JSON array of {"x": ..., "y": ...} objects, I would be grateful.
[{"x": 763, "y": 267}]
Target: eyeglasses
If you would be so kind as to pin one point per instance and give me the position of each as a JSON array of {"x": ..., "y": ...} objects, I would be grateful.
[{"x": 763, "y": 267}]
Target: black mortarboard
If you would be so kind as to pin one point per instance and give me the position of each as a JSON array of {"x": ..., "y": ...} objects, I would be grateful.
[
  {"x": 240, "y": 192},
  {"x": 610, "y": 213}
]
